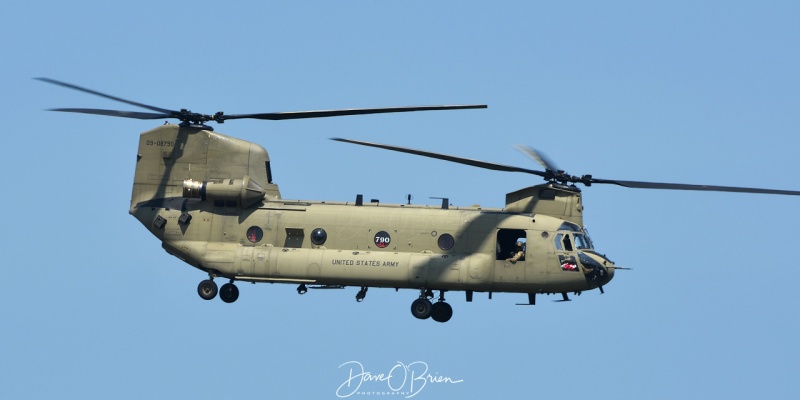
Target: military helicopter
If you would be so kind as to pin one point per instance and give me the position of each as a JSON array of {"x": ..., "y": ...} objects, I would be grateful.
[{"x": 211, "y": 200}]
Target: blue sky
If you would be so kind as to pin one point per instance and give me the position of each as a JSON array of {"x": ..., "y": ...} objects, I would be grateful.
[{"x": 694, "y": 92}]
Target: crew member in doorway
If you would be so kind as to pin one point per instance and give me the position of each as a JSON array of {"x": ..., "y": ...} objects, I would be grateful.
[{"x": 519, "y": 253}]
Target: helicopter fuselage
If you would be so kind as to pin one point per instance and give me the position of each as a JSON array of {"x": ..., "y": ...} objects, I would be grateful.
[
  {"x": 374, "y": 245},
  {"x": 210, "y": 199}
]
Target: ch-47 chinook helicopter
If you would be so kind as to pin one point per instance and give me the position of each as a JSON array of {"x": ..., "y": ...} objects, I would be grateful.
[{"x": 211, "y": 200}]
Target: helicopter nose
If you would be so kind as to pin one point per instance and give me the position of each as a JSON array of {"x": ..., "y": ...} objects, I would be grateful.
[{"x": 600, "y": 270}]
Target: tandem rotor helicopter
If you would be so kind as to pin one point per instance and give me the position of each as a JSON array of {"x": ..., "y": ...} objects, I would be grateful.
[{"x": 211, "y": 200}]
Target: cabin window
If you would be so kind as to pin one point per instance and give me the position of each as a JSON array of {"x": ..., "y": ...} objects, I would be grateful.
[
  {"x": 255, "y": 234},
  {"x": 319, "y": 236},
  {"x": 507, "y": 244},
  {"x": 446, "y": 241}
]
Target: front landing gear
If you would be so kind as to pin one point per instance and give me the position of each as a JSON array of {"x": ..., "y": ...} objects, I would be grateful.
[
  {"x": 441, "y": 312},
  {"x": 361, "y": 294},
  {"x": 422, "y": 308}
]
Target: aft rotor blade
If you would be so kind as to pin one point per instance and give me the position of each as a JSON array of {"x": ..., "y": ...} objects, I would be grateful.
[
  {"x": 683, "y": 186},
  {"x": 460, "y": 160},
  {"x": 352, "y": 111},
  {"x": 114, "y": 113},
  {"x": 108, "y": 96}
]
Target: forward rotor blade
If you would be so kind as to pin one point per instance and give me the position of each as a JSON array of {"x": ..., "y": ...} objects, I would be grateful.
[
  {"x": 114, "y": 113},
  {"x": 684, "y": 186},
  {"x": 460, "y": 160},
  {"x": 96, "y": 93},
  {"x": 536, "y": 156},
  {"x": 353, "y": 111},
  {"x": 586, "y": 179}
]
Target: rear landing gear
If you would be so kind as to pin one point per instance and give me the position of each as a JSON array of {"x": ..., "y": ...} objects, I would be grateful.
[
  {"x": 207, "y": 289},
  {"x": 229, "y": 292}
]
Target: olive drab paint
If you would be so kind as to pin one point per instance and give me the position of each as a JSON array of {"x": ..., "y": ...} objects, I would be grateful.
[{"x": 241, "y": 229}]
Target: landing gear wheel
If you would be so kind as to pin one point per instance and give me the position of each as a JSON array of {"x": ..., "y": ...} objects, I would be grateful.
[
  {"x": 441, "y": 312},
  {"x": 421, "y": 308},
  {"x": 361, "y": 294},
  {"x": 229, "y": 293},
  {"x": 207, "y": 289}
]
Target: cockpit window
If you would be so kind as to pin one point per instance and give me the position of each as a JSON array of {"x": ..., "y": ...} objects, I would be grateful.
[
  {"x": 582, "y": 242},
  {"x": 569, "y": 226},
  {"x": 567, "y": 243},
  {"x": 580, "y": 237},
  {"x": 563, "y": 242}
]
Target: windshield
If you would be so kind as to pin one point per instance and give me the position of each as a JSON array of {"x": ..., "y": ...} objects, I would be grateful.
[
  {"x": 579, "y": 236},
  {"x": 582, "y": 242}
]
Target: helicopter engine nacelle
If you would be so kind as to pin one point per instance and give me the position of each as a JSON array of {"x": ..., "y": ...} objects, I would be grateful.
[{"x": 244, "y": 191}]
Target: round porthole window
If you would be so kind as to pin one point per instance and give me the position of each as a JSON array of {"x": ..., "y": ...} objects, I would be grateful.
[
  {"x": 446, "y": 241},
  {"x": 319, "y": 236},
  {"x": 255, "y": 234}
]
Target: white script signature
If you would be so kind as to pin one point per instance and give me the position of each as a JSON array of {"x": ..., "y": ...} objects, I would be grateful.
[{"x": 402, "y": 379}]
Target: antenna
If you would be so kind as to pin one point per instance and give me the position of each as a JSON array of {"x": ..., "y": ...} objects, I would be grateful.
[{"x": 445, "y": 202}]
